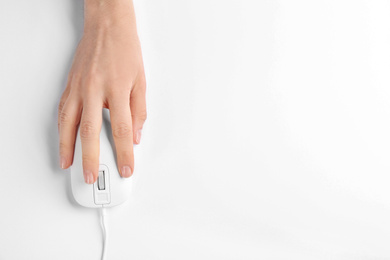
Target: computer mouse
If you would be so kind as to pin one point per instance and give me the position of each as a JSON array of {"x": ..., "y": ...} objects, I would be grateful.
[{"x": 110, "y": 189}]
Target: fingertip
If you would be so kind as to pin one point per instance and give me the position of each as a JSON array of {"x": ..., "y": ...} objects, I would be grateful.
[
  {"x": 126, "y": 171},
  {"x": 137, "y": 136},
  {"x": 65, "y": 163},
  {"x": 89, "y": 177}
]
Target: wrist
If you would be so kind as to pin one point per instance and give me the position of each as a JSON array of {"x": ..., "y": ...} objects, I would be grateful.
[{"x": 108, "y": 13}]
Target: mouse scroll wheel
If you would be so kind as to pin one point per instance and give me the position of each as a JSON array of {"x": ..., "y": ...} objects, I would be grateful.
[{"x": 101, "y": 181}]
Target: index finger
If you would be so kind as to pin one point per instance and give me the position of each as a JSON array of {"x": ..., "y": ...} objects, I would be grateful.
[{"x": 90, "y": 124}]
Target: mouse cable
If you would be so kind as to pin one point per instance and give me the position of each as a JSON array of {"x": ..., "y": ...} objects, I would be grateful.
[{"x": 103, "y": 223}]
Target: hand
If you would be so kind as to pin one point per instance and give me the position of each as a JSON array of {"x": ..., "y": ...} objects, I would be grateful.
[{"x": 107, "y": 71}]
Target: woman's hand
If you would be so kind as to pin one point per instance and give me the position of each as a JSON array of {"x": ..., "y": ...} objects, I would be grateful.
[{"x": 107, "y": 71}]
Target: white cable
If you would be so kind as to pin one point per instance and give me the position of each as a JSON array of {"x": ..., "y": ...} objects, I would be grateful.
[{"x": 102, "y": 211}]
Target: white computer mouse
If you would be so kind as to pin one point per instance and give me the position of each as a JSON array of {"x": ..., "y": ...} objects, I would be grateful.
[{"x": 110, "y": 189}]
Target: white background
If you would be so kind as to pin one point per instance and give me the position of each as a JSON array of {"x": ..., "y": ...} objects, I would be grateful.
[{"x": 267, "y": 135}]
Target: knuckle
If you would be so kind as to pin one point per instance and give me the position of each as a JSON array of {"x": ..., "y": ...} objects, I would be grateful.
[
  {"x": 121, "y": 130},
  {"x": 75, "y": 78},
  {"x": 127, "y": 156},
  {"x": 64, "y": 118},
  {"x": 87, "y": 159},
  {"x": 61, "y": 106},
  {"x": 87, "y": 129},
  {"x": 63, "y": 146},
  {"x": 89, "y": 90},
  {"x": 91, "y": 79},
  {"x": 113, "y": 94},
  {"x": 142, "y": 116},
  {"x": 62, "y": 103}
]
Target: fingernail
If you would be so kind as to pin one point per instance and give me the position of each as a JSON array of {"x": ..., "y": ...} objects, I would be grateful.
[
  {"x": 138, "y": 136},
  {"x": 88, "y": 177},
  {"x": 63, "y": 162},
  {"x": 126, "y": 171}
]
